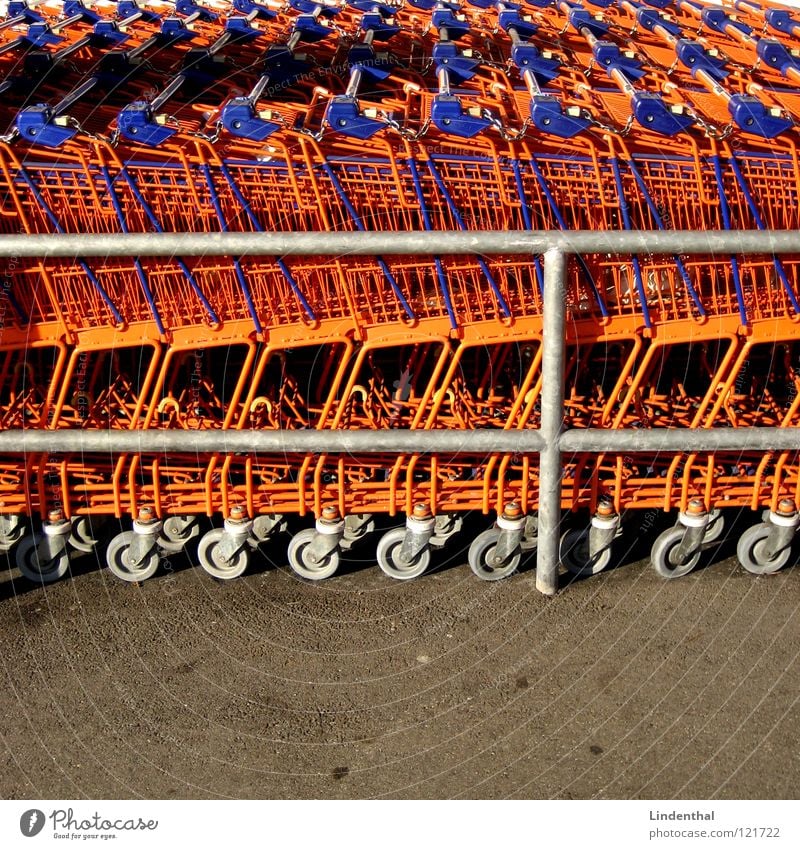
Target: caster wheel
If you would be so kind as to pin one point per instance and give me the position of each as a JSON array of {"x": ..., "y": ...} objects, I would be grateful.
[
  {"x": 481, "y": 554},
  {"x": 213, "y": 561},
  {"x": 387, "y": 554},
  {"x": 750, "y": 549},
  {"x": 118, "y": 560},
  {"x": 715, "y": 526},
  {"x": 301, "y": 563},
  {"x": 81, "y": 538},
  {"x": 664, "y": 558},
  {"x": 36, "y": 570},
  {"x": 176, "y": 533},
  {"x": 575, "y": 556}
]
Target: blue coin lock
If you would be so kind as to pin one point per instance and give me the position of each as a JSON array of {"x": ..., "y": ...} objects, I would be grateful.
[
  {"x": 449, "y": 116},
  {"x": 344, "y": 117},
  {"x": 609, "y": 57},
  {"x": 581, "y": 19},
  {"x": 136, "y": 123},
  {"x": 548, "y": 116},
  {"x": 247, "y": 7},
  {"x": 717, "y": 20},
  {"x": 449, "y": 58},
  {"x": 511, "y": 19},
  {"x": 36, "y": 125},
  {"x": 187, "y": 7},
  {"x": 653, "y": 113},
  {"x": 240, "y": 119},
  {"x": 129, "y": 8},
  {"x": 311, "y": 29},
  {"x": 694, "y": 57},
  {"x": 527, "y": 58},
  {"x": 774, "y": 54},
  {"x": 649, "y": 19},
  {"x": 780, "y": 20},
  {"x": 752, "y": 116},
  {"x": 446, "y": 18},
  {"x": 382, "y": 30}
]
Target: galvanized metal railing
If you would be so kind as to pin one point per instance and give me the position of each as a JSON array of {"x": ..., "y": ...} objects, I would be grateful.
[{"x": 549, "y": 441}]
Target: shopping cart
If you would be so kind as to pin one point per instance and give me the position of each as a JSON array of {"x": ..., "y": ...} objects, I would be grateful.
[{"x": 416, "y": 116}]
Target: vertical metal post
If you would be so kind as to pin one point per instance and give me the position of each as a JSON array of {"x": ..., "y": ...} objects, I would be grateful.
[{"x": 550, "y": 469}]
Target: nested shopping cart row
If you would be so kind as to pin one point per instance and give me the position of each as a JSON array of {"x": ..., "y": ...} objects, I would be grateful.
[
  {"x": 361, "y": 69},
  {"x": 423, "y": 190},
  {"x": 420, "y": 382},
  {"x": 703, "y": 380},
  {"x": 421, "y": 116}
]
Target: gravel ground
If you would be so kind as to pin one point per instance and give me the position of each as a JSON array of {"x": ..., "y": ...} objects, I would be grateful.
[{"x": 623, "y": 686}]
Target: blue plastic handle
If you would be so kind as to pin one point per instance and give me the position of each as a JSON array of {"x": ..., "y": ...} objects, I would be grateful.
[
  {"x": 382, "y": 29},
  {"x": 20, "y": 9},
  {"x": 107, "y": 33},
  {"x": 174, "y": 30},
  {"x": 364, "y": 54},
  {"x": 242, "y": 29},
  {"x": 76, "y": 7},
  {"x": 310, "y": 29},
  {"x": 129, "y": 8},
  {"x": 40, "y": 35},
  {"x": 282, "y": 65},
  {"x": 308, "y": 7},
  {"x": 369, "y": 6}
]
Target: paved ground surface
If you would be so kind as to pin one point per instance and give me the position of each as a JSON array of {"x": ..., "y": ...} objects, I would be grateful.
[{"x": 623, "y": 686}]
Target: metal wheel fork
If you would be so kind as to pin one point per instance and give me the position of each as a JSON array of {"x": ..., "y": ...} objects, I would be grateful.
[
  {"x": 420, "y": 526},
  {"x": 146, "y": 529},
  {"x": 694, "y": 521},
  {"x": 236, "y": 532},
  {"x": 55, "y": 536}
]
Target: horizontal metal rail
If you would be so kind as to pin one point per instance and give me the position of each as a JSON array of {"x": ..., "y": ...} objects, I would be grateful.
[
  {"x": 450, "y": 442},
  {"x": 550, "y": 442},
  {"x": 404, "y": 242}
]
